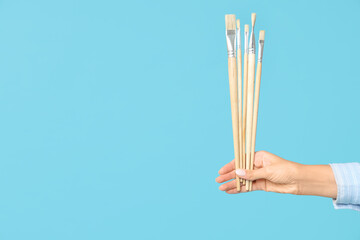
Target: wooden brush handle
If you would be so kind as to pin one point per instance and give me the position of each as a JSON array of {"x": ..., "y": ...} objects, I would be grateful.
[
  {"x": 249, "y": 110},
  {"x": 234, "y": 113},
  {"x": 239, "y": 82},
  {"x": 255, "y": 116},
  {"x": 244, "y": 107}
]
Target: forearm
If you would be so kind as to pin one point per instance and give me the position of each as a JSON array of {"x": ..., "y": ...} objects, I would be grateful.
[{"x": 317, "y": 180}]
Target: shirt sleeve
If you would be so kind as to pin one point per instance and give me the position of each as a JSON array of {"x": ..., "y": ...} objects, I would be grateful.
[{"x": 347, "y": 177}]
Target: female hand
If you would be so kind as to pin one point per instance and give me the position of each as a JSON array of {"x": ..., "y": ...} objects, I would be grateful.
[{"x": 275, "y": 174}]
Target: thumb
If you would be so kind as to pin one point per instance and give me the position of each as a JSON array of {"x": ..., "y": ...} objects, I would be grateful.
[{"x": 252, "y": 174}]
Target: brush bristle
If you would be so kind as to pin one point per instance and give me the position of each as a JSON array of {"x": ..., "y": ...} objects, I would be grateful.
[
  {"x": 253, "y": 18},
  {"x": 230, "y": 21},
  {"x": 262, "y": 35},
  {"x": 246, "y": 28},
  {"x": 238, "y": 23}
]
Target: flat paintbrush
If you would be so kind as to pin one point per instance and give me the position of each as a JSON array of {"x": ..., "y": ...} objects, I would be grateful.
[
  {"x": 256, "y": 99},
  {"x": 230, "y": 40}
]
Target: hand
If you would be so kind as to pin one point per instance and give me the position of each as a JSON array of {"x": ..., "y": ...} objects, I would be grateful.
[{"x": 275, "y": 174}]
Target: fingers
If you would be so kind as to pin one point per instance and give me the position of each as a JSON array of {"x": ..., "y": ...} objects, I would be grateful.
[
  {"x": 261, "y": 160},
  {"x": 232, "y": 191},
  {"x": 260, "y": 173},
  {"x": 227, "y": 168},
  {"x": 226, "y": 177},
  {"x": 262, "y": 170},
  {"x": 230, "y": 187}
]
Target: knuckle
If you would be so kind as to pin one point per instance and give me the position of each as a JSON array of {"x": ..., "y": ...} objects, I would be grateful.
[
  {"x": 296, "y": 190},
  {"x": 232, "y": 175},
  {"x": 261, "y": 154}
]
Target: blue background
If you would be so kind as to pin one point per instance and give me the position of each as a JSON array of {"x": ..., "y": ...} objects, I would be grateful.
[{"x": 115, "y": 117}]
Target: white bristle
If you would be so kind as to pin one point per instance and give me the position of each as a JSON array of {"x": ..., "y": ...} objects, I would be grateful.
[
  {"x": 262, "y": 35},
  {"x": 246, "y": 28},
  {"x": 253, "y": 19},
  {"x": 230, "y": 21}
]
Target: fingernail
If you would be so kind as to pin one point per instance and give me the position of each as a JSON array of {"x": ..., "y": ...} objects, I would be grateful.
[{"x": 240, "y": 172}]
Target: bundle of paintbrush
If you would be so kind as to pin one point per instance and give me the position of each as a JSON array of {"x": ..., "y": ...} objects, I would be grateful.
[{"x": 244, "y": 93}]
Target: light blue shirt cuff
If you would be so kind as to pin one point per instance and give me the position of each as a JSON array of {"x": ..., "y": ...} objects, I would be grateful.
[{"x": 347, "y": 177}]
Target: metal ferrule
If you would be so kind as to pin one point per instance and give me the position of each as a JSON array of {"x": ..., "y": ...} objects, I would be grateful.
[
  {"x": 238, "y": 39},
  {"x": 246, "y": 43},
  {"x": 261, "y": 49},
  {"x": 252, "y": 43},
  {"x": 230, "y": 42}
]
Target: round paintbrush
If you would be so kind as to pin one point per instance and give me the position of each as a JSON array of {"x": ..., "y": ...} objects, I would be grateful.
[
  {"x": 246, "y": 52},
  {"x": 250, "y": 95},
  {"x": 239, "y": 75}
]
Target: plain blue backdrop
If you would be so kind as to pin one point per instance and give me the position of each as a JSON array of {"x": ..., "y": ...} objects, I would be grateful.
[{"x": 115, "y": 117}]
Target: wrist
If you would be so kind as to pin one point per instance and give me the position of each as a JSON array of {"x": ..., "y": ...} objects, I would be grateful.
[{"x": 317, "y": 180}]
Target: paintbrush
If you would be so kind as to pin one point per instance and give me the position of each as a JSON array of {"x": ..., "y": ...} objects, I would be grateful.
[
  {"x": 239, "y": 82},
  {"x": 230, "y": 40},
  {"x": 246, "y": 52},
  {"x": 256, "y": 98},
  {"x": 250, "y": 95}
]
